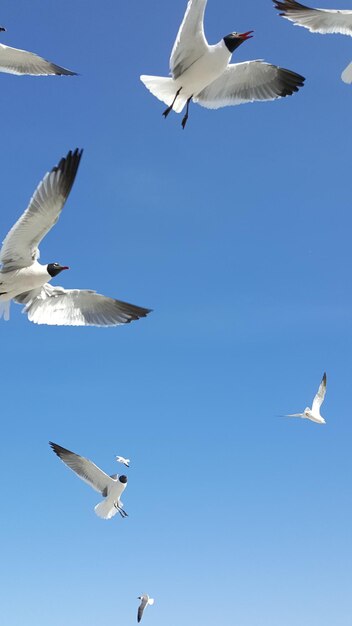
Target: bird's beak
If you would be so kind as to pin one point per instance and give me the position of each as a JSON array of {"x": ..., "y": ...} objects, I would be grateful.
[
  {"x": 65, "y": 267},
  {"x": 246, "y": 35}
]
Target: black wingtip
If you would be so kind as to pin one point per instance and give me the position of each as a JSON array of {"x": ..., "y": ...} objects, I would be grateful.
[
  {"x": 68, "y": 167},
  {"x": 2, "y": 29},
  {"x": 59, "y": 450},
  {"x": 290, "y": 82}
]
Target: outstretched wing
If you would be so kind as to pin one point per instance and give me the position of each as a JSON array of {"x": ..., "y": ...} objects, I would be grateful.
[
  {"x": 316, "y": 20},
  {"x": 143, "y": 604},
  {"x": 16, "y": 61},
  {"x": 190, "y": 42},
  {"x": 85, "y": 469},
  {"x": 248, "y": 82},
  {"x": 57, "y": 306},
  {"x": 20, "y": 247},
  {"x": 319, "y": 398}
]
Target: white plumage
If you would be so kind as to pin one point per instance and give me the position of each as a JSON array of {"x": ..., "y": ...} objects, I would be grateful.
[
  {"x": 201, "y": 72},
  {"x": 145, "y": 600},
  {"x": 323, "y": 21},
  {"x": 313, "y": 413}
]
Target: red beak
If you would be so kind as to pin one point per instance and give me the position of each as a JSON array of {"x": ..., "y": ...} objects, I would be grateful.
[
  {"x": 246, "y": 35},
  {"x": 65, "y": 267}
]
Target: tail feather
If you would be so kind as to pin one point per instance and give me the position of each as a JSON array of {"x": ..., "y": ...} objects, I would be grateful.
[
  {"x": 5, "y": 310},
  {"x": 105, "y": 509},
  {"x": 164, "y": 88}
]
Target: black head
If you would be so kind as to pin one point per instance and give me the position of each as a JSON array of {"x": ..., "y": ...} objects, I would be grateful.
[
  {"x": 123, "y": 479},
  {"x": 2, "y": 29},
  {"x": 233, "y": 40},
  {"x": 55, "y": 268}
]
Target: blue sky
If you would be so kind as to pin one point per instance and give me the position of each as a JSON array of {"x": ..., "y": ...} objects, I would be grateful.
[{"x": 236, "y": 232}]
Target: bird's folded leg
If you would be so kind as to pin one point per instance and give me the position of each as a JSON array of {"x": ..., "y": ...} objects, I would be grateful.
[
  {"x": 120, "y": 510},
  {"x": 184, "y": 121},
  {"x": 167, "y": 111}
]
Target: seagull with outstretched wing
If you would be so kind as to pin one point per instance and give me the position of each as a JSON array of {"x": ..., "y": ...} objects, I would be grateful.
[
  {"x": 313, "y": 413},
  {"x": 323, "y": 21},
  {"x": 21, "y": 62},
  {"x": 203, "y": 73},
  {"x": 111, "y": 487},
  {"x": 145, "y": 600},
  {"x": 26, "y": 281}
]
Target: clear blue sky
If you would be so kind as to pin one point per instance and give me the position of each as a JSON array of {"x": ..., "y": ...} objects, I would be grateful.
[{"x": 237, "y": 232}]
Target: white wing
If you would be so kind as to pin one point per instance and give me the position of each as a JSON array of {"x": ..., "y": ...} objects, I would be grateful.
[
  {"x": 248, "y": 82},
  {"x": 16, "y": 61},
  {"x": 57, "y": 306},
  {"x": 85, "y": 469},
  {"x": 190, "y": 42},
  {"x": 20, "y": 247},
  {"x": 316, "y": 20},
  {"x": 319, "y": 398}
]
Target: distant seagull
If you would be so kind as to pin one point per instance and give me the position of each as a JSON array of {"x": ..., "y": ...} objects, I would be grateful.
[
  {"x": 313, "y": 414},
  {"x": 111, "y": 487},
  {"x": 121, "y": 459},
  {"x": 202, "y": 72},
  {"x": 26, "y": 281},
  {"x": 21, "y": 62},
  {"x": 323, "y": 21},
  {"x": 145, "y": 600}
]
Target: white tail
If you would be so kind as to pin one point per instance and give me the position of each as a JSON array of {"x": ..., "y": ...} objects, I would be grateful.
[
  {"x": 164, "y": 89},
  {"x": 347, "y": 74},
  {"x": 5, "y": 310},
  {"x": 105, "y": 509}
]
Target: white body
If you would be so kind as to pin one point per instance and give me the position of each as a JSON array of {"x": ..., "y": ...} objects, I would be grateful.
[
  {"x": 121, "y": 459},
  {"x": 15, "y": 282}
]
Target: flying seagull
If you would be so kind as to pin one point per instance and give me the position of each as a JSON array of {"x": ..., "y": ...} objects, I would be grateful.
[
  {"x": 203, "y": 73},
  {"x": 111, "y": 487},
  {"x": 313, "y": 414},
  {"x": 26, "y": 281},
  {"x": 21, "y": 62},
  {"x": 145, "y": 600},
  {"x": 121, "y": 459},
  {"x": 323, "y": 21}
]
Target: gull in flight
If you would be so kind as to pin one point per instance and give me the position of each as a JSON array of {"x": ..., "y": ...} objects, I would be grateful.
[
  {"x": 203, "y": 73},
  {"x": 111, "y": 487},
  {"x": 313, "y": 414},
  {"x": 21, "y": 62},
  {"x": 323, "y": 21},
  {"x": 26, "y": 281},
  {"x": 121, "y": 459},
  {"x": 145, "y": 600}
]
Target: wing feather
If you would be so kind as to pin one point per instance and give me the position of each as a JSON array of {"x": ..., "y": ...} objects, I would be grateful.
[
  {"x": 20, "y": 247},
  {"x": 319, "y": 398},
  {"x": 323, "y": 21},
  {"x": 248, "y": 82},
  {"x": 16, "y": 61},
  {"x": 85, "y": 469},
  {"x": 56, "y": 306},
  {"x": 190, "y": 42}
]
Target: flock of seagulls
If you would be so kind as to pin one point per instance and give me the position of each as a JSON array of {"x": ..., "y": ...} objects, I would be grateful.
[{"x": 201, "y": 73}]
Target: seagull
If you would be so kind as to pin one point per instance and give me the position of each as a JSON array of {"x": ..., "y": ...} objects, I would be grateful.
[
  {"x": 121, "y": 459},
  {"x": 323, "y": 21},
  {"x": 203, "y": 73},
  {"x": 111, "y": 487},
  {"x": 21, "y": 62},
  {"x": 313, "y": 414},
  {"x": 145, "y": 600},
  {"x": 26, "y": 281}
]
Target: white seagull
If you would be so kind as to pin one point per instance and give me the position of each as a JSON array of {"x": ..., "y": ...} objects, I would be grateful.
[
  {"x": 111, "y": 487},
  {"x": 313, "y": 414},
  {"x": 323, "y": 21},
  {"x": 202, "y": 72},
  {"x": 26, "y": 281},
  {"x": 121, "y": 459},
  {"x": 145, "y": 600},
  {"x": 21, "y": 62}
]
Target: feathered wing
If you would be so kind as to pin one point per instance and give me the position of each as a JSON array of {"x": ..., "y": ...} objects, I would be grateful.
[
  {"x": 85, "y": 469},
  {"x": 57, "y": 306},
  {"x": 319, "y": 398},
  {"x": 143, "y": 604},
  {"x": 16, "y": 61},
  {"x": 248, "y": 82},
  {"x": 190, "y": 42},
  {"x": 20, "y": 247},
  {"x": 316, "y": 20}
]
